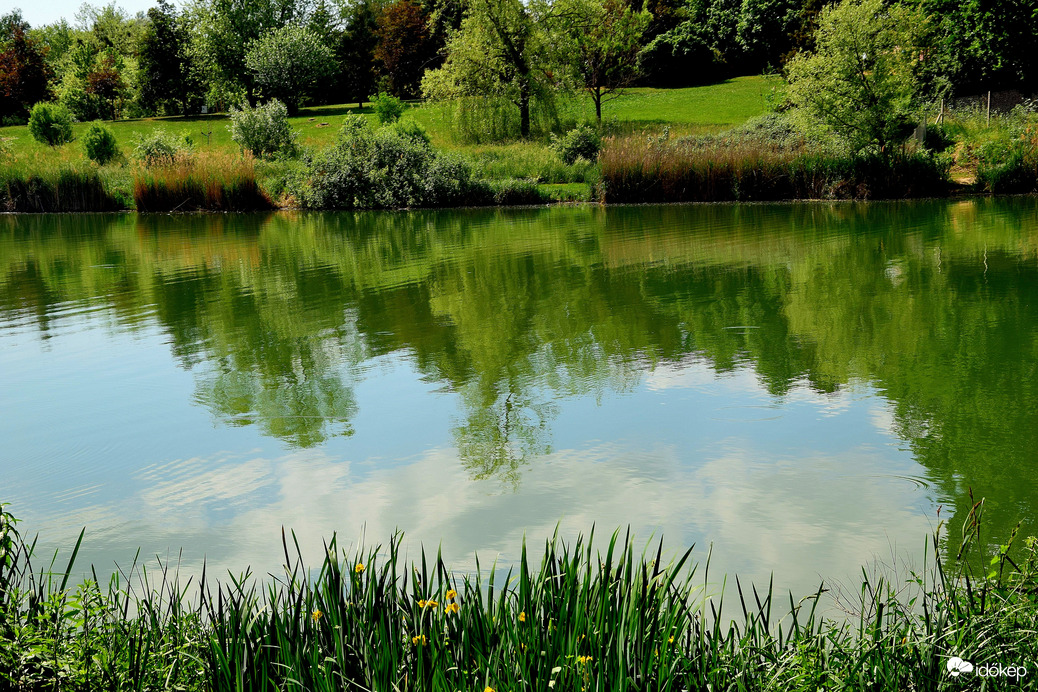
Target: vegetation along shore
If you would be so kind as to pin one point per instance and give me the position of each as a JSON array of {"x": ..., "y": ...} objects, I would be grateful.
[
  {"x": 405, "y": 104},
  {"x": 568, "y": 615}
]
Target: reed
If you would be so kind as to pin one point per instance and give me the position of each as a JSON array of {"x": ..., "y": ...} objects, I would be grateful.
[
  {"x": 61, "y": 189},
  {"x": 569, "y": 616},
  {"x": 653, "y": 169},
  {"x": 214, "y": 182}
]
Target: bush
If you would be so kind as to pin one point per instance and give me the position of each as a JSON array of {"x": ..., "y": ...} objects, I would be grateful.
[
  {"x": 99, "y": 144},
  {"x": 263, "y": 130},
  {"x": 385, "y": 168},
  {"x": 50, "y": 123},
  {"x": 1008, "y": 166},
  {"x": 581, "y": 142},
  {"x": 388, "y": 108},
  {"x": 160, "y": 148}
]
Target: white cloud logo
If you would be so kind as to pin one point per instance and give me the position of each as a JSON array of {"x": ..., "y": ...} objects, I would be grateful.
[{"x": 956, "y": 666}]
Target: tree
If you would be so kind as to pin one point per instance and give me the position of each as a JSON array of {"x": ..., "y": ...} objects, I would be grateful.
[
  {"x": 167, "y": 83},
  {"x": 105, "y": 82},
  {"x": 500, "y": 50},
  {"x": 288, "y": 62},
  {"x": 862, "y": 80},
  {"x": 404, "y": 49},
  {"x": 24, "y": 72},
  {"x": 355, "y": 51},
  {"x": 602, "y": 40},
  {"x": 222, "y": 31}
]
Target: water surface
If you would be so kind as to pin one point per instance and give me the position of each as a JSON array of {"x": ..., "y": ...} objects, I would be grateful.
[{"x": 803, "y": 385}]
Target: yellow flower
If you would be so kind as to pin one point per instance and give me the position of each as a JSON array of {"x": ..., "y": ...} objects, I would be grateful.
[
  {"x": 671, "y": 640},
  {"x": 522, "y": 616},
  {"x": 451, "y": 608},
  {"x": 419, "y": 638},
  {"x": 421, "y": 603},
  {"x": 431, "y": 603},
  {"x": 359, "y": 568},
  {"x": 584, "y": 659},
  {"x": 317, "y": 614},
  {"x": 451, "y": 595},
  {"x": 489, "y": 689}
]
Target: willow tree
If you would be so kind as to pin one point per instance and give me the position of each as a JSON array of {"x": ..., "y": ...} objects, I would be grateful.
[{"x": 500, "y": 50}]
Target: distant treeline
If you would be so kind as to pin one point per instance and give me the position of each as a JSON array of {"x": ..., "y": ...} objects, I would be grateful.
[{"x": 109, "y": 64}]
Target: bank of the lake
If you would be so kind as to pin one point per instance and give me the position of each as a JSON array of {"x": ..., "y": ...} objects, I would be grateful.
[{"x": 571, "y": 614}]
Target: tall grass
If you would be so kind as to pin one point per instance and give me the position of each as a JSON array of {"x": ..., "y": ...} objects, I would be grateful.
[
  {"x": 214, "y": 182},
  {"x": 653, "y": 169},
  {"x": 571, "y": 616},
  {"x": 62, "y": 189}
]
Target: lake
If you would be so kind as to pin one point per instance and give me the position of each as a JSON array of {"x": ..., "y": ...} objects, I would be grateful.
[{"x": 806, "y": 387}]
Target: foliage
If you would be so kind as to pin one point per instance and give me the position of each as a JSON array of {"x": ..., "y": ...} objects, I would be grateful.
[
  {"x": 579, "y": 143},
  {"x": 24, "y": 72},
  {"x": 64, "y": 189},
  {"x": 600, "y": 42},
  {"x": 1009, "y": 165},
  {"x": 982, "y": 46},
  {"x": 50, "y": 123},
  {"x": 159, "y": 148},
  {"x": 384, "y": 168},
  {"x": 168, "y": 84},
  {"x": 221, "y": 33},
  {"x": 355, "y": 51},
  {"x": 288, "y": 63},
  {"x": 862, "y": 81},
  {"x": 388, "y": 109},
  {"x": 404, "y": 48},
  {"x": 99, "y": 144},
  {"x": 105, "y": 83},
  {"x": 263, "y": 130},
  {"x": 500, "y": 51}
]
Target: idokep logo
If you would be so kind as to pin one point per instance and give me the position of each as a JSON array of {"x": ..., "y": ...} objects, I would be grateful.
[{"x": 957, "y": 666}]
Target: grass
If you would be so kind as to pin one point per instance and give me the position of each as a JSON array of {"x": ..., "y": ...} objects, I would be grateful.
[
  {"x": 568, "y": 616},
  {"x": 210, "y": 182}
]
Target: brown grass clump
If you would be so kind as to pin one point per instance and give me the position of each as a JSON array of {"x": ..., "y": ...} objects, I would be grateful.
[
  {"x": 213, "y": 182},
  {"x": 640, "y": 169}
]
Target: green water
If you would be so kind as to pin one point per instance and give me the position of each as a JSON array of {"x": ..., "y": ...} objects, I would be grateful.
[{"x": 802, "y": 385}]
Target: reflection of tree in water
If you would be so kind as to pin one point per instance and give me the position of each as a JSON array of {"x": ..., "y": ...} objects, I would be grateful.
[
  {"x": 935, "y": 305},
  {"x": 503, "y": 433}
]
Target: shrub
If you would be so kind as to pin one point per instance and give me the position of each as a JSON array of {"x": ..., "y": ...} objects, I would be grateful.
[
  {"x": 579, "y": 143},
  {"x": 99, "y": 144},
  {"x": 50, "y": 123},
  {"x": 384, "y": 168},
  {"x": 1007, "y": 166},
  {"x": 263, "y": 130},
  {"x": 412, "y": 130},
  {"x": 160, "y": 148},
  {"x": 388, "y": 108}
]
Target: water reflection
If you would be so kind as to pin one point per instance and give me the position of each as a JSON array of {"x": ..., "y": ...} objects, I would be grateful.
[{"x": 764, "y": 375}]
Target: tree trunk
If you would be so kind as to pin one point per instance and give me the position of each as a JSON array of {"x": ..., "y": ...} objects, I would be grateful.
[{"x": 597, "y": 96}]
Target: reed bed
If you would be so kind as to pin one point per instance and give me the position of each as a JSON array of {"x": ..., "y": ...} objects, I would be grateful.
[
  {"x": 64, "y": 189},
  {"x": 653, "y": 169},
  {"x": 215, "y": 182},
  {"x": 572, "y": 616}
]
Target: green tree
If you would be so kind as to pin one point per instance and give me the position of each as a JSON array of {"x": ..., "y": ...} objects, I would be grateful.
[
  {"x": 222, "y": 31},
  {"x": 355, "y": 51},
  {"x": 501, "y": 50},
  {"x": 167, "y": 83},
  {"x": 288, "y": 63},
  {"x": 862, "y": 80},
  {"x": 602, "y": 40}
]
